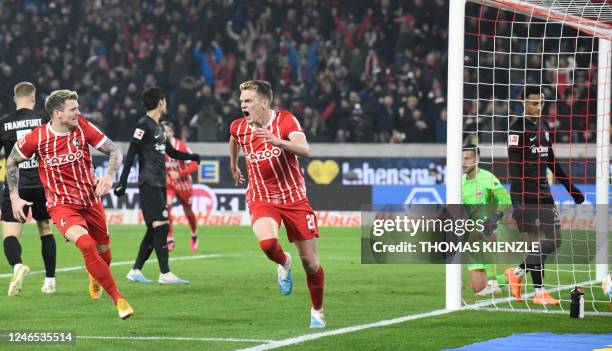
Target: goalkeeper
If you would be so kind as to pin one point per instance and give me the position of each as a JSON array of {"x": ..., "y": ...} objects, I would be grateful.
[{"x": 482, "y": 190}]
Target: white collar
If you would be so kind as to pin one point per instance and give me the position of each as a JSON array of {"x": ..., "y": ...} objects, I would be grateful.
[{"x": 272, "y": 117}]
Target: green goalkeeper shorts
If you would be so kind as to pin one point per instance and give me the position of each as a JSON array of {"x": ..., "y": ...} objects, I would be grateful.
[{"x": 478, "y": 266}]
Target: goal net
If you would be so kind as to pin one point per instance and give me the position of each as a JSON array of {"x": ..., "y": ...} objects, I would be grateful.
[{"x": 562, "y": 47}]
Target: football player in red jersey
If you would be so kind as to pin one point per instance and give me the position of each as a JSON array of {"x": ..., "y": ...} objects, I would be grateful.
[
  {"x": 73, "y": 194},
  {"x": 180, "y": 186},
  {"x": 271, "y": 141}
]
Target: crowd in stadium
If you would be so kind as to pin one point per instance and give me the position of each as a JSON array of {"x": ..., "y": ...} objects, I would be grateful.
[
  {"x": 503, "y": 53},
  {"x": 351, "y": 71},
  {"x": 367, "y": 71}
]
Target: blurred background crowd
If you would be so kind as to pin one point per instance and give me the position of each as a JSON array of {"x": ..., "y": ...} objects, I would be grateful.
[{"x": 350, "y": 70}]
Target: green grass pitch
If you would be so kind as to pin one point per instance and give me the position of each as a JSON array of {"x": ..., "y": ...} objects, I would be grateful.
[{"x": 233, "y": 302}]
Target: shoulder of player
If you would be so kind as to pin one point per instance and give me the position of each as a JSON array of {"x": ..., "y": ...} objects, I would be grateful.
[
  {"x": 235, "y": 123},
  {"x": 483, "y": 174},
  {"x": 516, "y": 127},
  {"x": 284, "y": 115},
  {"x": 8, "y": 117},
  {"x": 145, "y": 124},
  {"x": 180, "y": 143}
]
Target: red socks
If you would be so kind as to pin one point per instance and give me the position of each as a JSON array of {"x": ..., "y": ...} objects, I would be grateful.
[
  {"x": 97, "y": 266},
  {"x": 273, "y": 250},
  {"x": 315, "y": 286},
  {"x": 315, "y": 280},
  {"x": 193, "y": 224}
]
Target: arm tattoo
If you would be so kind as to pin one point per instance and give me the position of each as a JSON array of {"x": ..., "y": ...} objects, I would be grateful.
[
  {"x": 114, "y": 161},
  {"x": 12, "y": 169}
]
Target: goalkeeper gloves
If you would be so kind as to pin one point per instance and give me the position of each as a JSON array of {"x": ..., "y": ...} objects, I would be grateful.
[{"x": 492, "y": 223}]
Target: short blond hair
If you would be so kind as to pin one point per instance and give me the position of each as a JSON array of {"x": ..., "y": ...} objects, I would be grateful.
[
  {"x": 56, "y": 100},
  {"x": 24, "y": 89},
  {"x": 261, "y": 87}
]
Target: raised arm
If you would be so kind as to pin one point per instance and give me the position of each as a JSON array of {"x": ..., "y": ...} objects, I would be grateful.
[
  {"x": 178, "y": 155},
  {"x": 296, "y": 144}
]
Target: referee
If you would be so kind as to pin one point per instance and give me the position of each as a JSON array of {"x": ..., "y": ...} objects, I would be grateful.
[
  {"x": 12, "y": 128},
  {"x": 151, "y": 145},
  {"x": 530, "y": 153}
]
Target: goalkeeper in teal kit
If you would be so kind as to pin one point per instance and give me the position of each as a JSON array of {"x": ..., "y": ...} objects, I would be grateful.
[{"x": 483, "y": 190}]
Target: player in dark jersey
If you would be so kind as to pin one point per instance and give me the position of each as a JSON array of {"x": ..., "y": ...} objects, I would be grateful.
[
  {"x": 12, "y": 128},
  {"x": 530, "y": 154},
  {"x": 151, "y": 145}
]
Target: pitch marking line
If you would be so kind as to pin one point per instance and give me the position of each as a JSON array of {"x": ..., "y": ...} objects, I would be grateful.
[
  {"x": 179, "y": 258},
  {"x": 173, "y": 338},
  {"x": 123, "y": 263},
  {"x": 383, "y": 323}
]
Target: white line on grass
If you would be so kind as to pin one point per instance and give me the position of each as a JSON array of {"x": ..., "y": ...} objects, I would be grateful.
[
  {"x": 123, "y": 263},
  {"x": 179, "y": 258},
  {"x": 355, "y": 328},
  {"x": 173, "y": 338},
  {"x": 345, "y": 330}
]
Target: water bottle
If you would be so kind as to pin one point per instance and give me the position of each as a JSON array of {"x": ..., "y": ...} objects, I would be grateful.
[{"x": 577, "y": 303}]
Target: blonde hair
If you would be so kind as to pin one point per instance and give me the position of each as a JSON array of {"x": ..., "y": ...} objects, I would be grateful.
[
  {"x": 56, "y": 100},
  {"x": 261, "y": 87},
  {"x": 24, "y": 89}
]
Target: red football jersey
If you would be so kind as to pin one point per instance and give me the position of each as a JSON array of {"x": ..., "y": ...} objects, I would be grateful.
[
  {"x": 184, "y": 168},
  {"x": 274, "y": 175},
  {"x": 64, "y": 162}
]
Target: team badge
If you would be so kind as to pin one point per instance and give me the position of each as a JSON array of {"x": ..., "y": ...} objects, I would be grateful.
[
  {"x": 138, "y": 133},
  {"x": 546, "y": 135},
  {"x": 165, "y": 214},
  {"x": 75, "y": 142},
  {"x": 479, "y": 194},
  {"x": 513, "y": 140},
  {"x": 63, "y": 222}
]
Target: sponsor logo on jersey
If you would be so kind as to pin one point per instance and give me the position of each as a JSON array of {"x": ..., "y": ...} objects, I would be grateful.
[
  {"x": 263, "y": 155},
  {"x": 539, "y": 149},
  {"x": 64, "y": 158},
  {"x": 160, "y": 147},
  {"x": 513, "y": 140},
  {"x": 138, "y": 133}
]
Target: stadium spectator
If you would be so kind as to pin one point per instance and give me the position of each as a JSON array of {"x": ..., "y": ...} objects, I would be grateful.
[
  {"x": 326, "y": 54},
  {"x": 315, "y": 53}
]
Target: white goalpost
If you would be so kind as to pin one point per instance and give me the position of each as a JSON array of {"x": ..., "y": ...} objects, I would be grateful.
[{"x": 496, "y": 47}]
